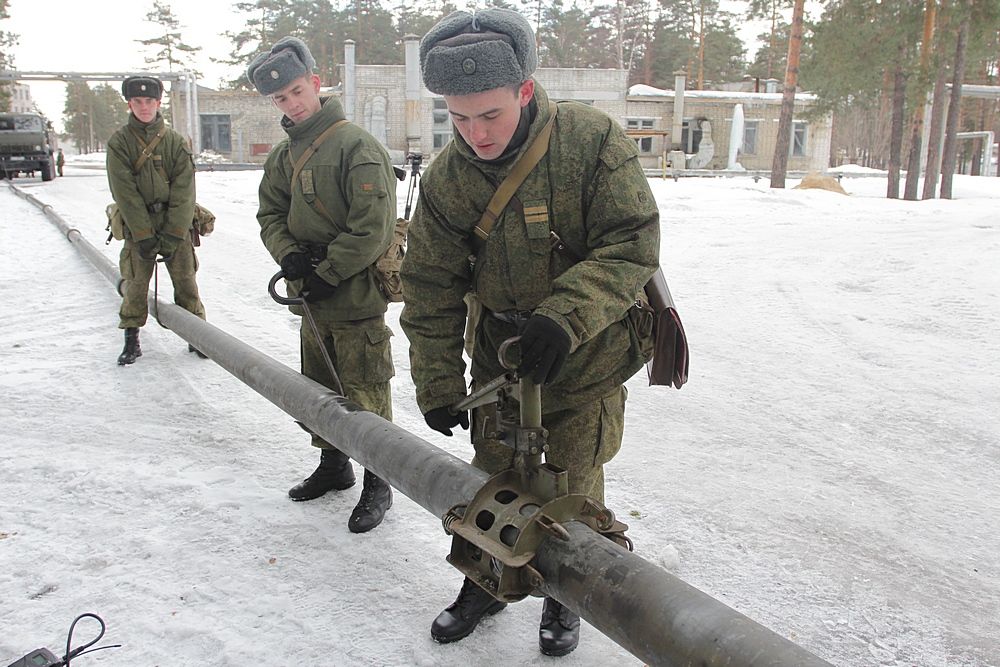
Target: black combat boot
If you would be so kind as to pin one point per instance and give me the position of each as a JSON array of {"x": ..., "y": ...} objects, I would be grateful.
[
  {"x": 559, "y": 631},
  {"x": 192, "y": 348},
  {"x": 335, "y": 472},
  {"x": 463, "y": 615},
  {"x": 132, "y": 350},
  {"x": 376, "y": 499}
]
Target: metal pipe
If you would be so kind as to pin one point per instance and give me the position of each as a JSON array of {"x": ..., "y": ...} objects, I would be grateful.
[{"x": 652, "y": 614}]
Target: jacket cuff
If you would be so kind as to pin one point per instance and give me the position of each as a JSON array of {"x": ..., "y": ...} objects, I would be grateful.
[
  {"x": 440, "y": 393},
  {"x": 569, "y": 323}
]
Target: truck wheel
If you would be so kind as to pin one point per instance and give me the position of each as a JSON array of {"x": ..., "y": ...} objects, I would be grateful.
[{"x": 48, "y": 171}]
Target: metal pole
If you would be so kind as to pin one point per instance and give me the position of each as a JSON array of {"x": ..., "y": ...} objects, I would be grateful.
[
  {"x": 196, "y": 117},
  {"x": 652, "y": 614}
]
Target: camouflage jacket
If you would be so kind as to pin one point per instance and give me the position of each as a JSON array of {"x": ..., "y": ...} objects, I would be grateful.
[
  {"x": 590, "y": 190},
  {"x": 166, "y": 178},
  {"x": 351, "y": 175}
]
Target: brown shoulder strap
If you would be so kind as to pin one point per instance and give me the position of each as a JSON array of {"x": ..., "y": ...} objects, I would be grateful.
[
  {"x": 525, "y": 164},
  {"x": 147, "y": 149},
  {"x": 312, "y": 148}
]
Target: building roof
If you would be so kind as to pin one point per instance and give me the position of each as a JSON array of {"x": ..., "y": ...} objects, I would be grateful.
[{"x": 642, "y": 90}]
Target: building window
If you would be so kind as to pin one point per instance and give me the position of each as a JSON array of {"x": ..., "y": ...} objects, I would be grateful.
[
  {"x": 442, "y": 124},
  {"x": 691, "y": 139},
  {"x": 798, "y": 139},
  {"x": 645, "y": 144},
  {"x": 749, "y": 146},
  {"x": 215, "y": 132}
]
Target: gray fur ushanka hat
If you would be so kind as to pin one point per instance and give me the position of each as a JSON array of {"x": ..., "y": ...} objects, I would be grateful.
[
  {"x": 287, "y": 60},
  {"x": 470, "y": 53}
]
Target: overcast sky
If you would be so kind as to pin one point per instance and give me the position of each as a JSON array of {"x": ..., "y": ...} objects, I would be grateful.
[{"x": 100, "y": 36}]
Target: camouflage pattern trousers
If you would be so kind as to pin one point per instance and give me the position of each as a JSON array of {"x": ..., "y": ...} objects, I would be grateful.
[
  {"x": 361, "y": 355},
  {"x": 581, "y": 440},
  {"x": 137, "y": 272}
]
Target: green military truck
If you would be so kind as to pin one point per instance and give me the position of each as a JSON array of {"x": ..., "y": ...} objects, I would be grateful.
[{"x": 27, "y": 145}]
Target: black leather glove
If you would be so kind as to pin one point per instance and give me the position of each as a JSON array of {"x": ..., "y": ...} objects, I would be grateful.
[
  {"x": 442, "y": 420},
  {"x": 168, "y": 246},
  {"x": 317, "y": 289},
  {"x": 147, "y": 248},
  {"x": 296, "y": 265},
  {"x": 544, "y": 348}
]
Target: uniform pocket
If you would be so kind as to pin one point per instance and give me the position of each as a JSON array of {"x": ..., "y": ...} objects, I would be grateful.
[
  {"x": 378, "y": 355},
  {"x": 125, "y": 261},
  {"x": 612, "y": 427}
]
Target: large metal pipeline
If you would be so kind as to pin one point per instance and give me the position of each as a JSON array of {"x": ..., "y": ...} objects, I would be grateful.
[{"x": 649, "y": 612}]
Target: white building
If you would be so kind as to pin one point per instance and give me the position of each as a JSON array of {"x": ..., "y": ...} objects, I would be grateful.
[{"x": 391, "y": 102}]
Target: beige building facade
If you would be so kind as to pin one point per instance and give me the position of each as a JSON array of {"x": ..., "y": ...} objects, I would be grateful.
[{"x": 391, "y": 103}]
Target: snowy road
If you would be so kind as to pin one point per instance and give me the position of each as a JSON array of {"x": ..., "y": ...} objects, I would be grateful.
[{"x": 831, "y": 470}]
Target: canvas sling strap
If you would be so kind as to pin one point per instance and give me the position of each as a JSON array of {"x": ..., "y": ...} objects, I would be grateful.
[
  {"x": 670, "y": 362},
  {"x": 147, "y": 149},
  {"x": 299, "y": 164},
  {"x": 531, "y": 157},
  {"x": 505, "y": 192}
]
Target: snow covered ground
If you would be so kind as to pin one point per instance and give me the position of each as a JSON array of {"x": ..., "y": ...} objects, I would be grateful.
[{"x": 831, "y": 469}]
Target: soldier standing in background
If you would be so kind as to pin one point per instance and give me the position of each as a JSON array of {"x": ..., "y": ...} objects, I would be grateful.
[
  {"x": 60, "y": 161},
  {"x": 151, "y": 175},
  {"x": 569, "y": 307},
  {"x": 326, "y": 229}
]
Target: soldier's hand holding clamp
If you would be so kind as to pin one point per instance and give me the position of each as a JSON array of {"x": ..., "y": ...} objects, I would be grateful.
[
  {"x": 544, "y": 348},
  {"x": 147, "y": 248},
  {"x": 317, "y": 289},
  {"x": 443, "y": 419},
  {"x": 296, "y": 265},
  {"x": 168, "y": 246}
]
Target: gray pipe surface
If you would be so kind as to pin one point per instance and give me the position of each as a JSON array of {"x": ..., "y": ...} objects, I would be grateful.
[{"x": 646, "y": 610}]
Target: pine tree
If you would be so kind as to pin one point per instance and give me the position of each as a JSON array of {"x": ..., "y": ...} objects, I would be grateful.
[
  {"x": 7, "y": 41},
  {"x": 269, "y": 20},
  {"x": 780, "y": 161},
  {"x": 169, "y": 50},
  {"x": 771, "y": 58},
  {"x": 563, "y": 37}
]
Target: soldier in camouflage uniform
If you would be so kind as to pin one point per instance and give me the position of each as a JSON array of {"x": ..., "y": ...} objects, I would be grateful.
[
  {"x": 568, "y": 307},
  {"x": 157, "y": 206},
  {"x": 326, "y": 230}
]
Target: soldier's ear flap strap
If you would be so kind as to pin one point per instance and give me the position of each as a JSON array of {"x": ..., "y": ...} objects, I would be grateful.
[
  {"x": 312, "y": 148},
  {"x": 531, "y": 157}
]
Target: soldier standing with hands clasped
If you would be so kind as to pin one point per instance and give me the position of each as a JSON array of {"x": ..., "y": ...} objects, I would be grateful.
[
  {"x": 326, "y": 221},
  {"x": 151, "y": 175},
  {"x": 569, "y": 306}
]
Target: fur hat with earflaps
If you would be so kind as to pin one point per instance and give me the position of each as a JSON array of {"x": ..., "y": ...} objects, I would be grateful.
[
  {"x": 470, "y": 53},
  {"x": 142, "y": 86},
  {"x": 287, "y": 60}
]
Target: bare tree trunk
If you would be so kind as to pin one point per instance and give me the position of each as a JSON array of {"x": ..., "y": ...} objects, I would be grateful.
[
  {"x": 701, "y": 47},
  {"x": 770, "y": 49},
  {"x": 934, "y": 138},
  {"x": 896, "y": 128},
  {"x": 950, "y": 151},
  {"x": 618, "y": 29},
  {"x": 779, "y": 166},
  {"x": 917, "y": 130}
]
